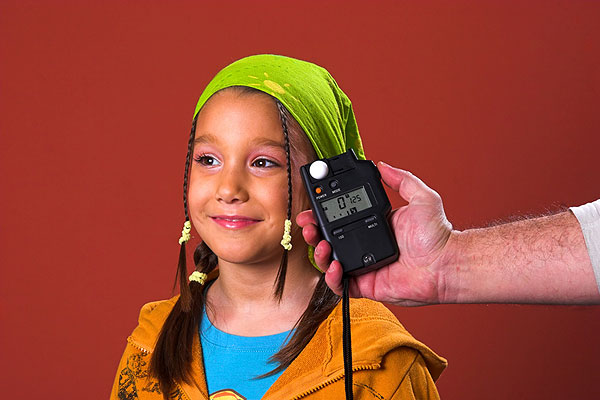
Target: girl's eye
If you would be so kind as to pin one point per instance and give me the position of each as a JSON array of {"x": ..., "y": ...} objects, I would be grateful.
[
  {"x": 206, "y": 160},
  {"x": 264, "y": 163}
]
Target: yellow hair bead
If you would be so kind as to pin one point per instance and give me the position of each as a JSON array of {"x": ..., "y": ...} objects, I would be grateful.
[
  {"x": 185, "y": 233},
  {"x": 199, "y": 277},
  {"x": 287, "y": 236}
]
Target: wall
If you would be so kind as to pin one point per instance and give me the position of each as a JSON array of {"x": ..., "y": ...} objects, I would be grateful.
[{"x": 493, "y": 104}]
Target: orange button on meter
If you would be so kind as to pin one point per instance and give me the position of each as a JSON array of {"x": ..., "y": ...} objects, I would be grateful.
[{"x": 318, "y": 190}]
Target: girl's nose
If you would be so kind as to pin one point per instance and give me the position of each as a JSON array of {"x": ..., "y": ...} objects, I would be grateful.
[{"x": 231, "y": 187}]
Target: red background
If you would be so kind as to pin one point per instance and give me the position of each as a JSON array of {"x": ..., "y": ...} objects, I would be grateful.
[{"x": 493, "y": 104}]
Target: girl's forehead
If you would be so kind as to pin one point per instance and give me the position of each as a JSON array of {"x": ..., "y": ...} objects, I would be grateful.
[{"x": 244, "y": 118}]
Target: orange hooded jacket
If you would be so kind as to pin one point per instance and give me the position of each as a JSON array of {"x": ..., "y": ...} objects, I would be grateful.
[{"x": 388, "y": 363}]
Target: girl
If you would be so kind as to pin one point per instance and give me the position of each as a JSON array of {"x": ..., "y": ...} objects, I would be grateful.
[{"x": 257, "y": 319}]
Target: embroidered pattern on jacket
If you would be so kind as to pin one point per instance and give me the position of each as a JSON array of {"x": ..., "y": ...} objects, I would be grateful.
[{"x": 135, "y": 370}]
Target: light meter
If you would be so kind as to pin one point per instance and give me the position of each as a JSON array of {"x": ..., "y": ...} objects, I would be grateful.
[{"x": 351, "y": 207}]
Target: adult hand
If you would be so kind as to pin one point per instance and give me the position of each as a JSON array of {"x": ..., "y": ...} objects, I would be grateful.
[{"x": 422, "y": 232}]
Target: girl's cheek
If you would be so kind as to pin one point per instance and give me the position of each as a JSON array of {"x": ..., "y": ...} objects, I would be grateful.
[{"x": 196, "y": 194}]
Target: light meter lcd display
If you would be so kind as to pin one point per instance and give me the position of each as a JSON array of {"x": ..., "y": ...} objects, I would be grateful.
[{"x": 346, "y": 204}]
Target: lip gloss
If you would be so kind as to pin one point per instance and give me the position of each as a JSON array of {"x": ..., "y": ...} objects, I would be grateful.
[{"x": 234, "y": 221}]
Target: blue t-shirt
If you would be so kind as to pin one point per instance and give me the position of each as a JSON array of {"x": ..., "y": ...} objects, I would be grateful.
[{"x": 231, "y": 362}]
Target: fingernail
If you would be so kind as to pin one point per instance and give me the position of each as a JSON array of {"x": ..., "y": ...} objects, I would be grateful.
[{"x": 388, "y": 165}]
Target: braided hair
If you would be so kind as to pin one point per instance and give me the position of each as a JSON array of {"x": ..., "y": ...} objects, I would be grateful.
[{"x": 280, "y": 280}]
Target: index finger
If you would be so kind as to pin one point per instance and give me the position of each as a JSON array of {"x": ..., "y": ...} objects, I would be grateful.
[{"x": 305, "y": 218}]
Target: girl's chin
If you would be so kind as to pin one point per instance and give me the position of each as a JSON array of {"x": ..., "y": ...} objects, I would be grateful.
[{"x": 245, "y": 255}]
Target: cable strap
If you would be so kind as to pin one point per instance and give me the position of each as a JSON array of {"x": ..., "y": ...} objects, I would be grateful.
[{"x": 347, "y": 342}]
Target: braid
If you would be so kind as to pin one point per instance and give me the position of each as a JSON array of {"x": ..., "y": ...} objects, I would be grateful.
[
  {"x": 284, "y": 124},
  {"x": 184, "y": 289},
  {"x": 280, "y": 280},
  {"x": 204, "y": 258},
  {"x": 188, "y": 160}
]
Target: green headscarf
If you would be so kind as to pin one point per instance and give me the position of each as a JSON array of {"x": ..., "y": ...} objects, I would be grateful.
[{"x": 309, "y": 93}]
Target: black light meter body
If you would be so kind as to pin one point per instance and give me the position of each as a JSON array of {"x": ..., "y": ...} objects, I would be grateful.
[{"x": 351, "y": 207}]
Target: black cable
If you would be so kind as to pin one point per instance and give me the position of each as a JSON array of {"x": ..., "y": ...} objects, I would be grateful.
[{"x": 347, "y": 342}]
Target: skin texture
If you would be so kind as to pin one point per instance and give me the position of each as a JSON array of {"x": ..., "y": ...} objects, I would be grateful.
[
  {"x": 239, "y": 169},
  {"x": 541, "y": 260}
]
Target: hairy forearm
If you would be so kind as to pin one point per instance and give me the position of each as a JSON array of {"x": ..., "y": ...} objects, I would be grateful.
[{"x": 539, "y": 260}]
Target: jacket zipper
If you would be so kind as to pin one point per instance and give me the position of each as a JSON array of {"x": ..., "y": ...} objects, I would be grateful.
[
  {"x": 335, "y": 379},
  {"x": 182, "y": 391},
  {"x": 144, "y": 350}
]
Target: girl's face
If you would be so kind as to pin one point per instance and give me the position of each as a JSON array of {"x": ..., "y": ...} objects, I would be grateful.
[{"x": 238, "y": 181}]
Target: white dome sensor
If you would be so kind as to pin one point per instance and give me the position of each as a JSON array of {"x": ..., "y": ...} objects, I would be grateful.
[{"x": 319, "y": 169}]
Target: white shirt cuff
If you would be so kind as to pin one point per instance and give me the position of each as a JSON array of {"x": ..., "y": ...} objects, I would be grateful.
[{"x": 588, "y": 216}]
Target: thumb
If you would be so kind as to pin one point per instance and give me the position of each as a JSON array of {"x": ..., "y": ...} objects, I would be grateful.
[{"x": 405, "y": 183}]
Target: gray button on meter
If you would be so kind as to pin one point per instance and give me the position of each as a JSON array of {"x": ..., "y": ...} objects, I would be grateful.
[
  {"x": 319, "y": 169},
  {"x": 338, "y": 231},
  {"x": 370, "y": 219}
]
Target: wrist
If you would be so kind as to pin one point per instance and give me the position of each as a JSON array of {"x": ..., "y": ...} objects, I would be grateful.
[{"x": 448, "y": 268}]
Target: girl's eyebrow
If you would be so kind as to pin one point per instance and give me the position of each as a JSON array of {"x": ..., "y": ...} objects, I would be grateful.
[
  {"x": 268, "y": 143},
  {"x": 208, "y": 138}
]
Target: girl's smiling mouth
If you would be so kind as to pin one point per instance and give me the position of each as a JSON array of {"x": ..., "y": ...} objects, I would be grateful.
[{"x": 234, "y": 221}]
